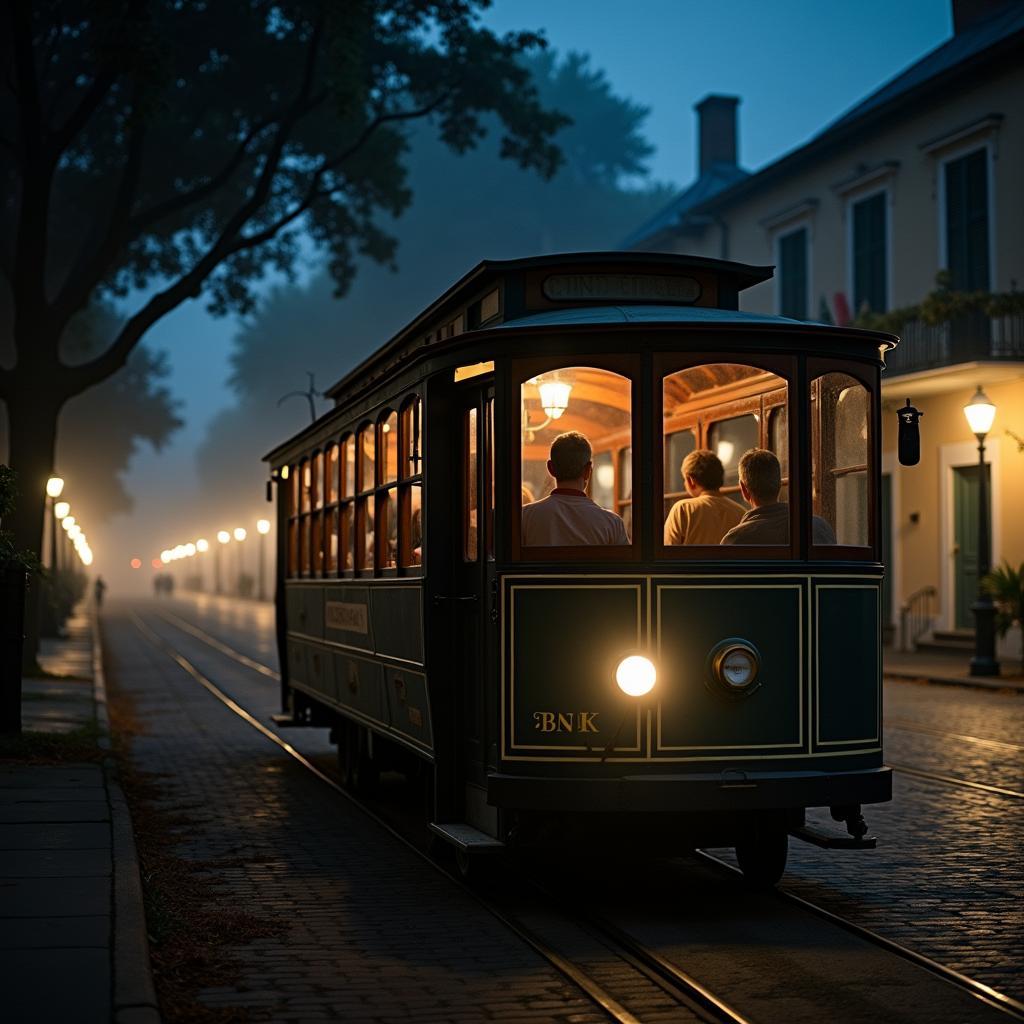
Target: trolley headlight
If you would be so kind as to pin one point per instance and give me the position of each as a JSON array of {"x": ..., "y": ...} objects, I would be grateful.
[
  {"x": 734, "y": 666},
  {"x": 636, "y": 675}
]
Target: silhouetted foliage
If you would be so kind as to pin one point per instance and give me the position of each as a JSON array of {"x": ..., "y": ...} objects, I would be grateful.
[{"x": 189, "y": 147}]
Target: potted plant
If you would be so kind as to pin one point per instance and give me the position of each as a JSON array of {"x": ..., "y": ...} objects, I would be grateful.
[
  {"x": 1006, "y": 587},
  {"x": 15, "y": 567}
]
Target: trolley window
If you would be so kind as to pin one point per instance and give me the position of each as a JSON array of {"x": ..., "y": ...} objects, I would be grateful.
[
  {"x": 588, "y": 412},
  {"x": 346, "y": 509},
  {"x": 725, "y": 465},
  {"x": 840, "y": 447},
  {"x": 410, "y": 488},
  {"x": 387, "y": 492}
]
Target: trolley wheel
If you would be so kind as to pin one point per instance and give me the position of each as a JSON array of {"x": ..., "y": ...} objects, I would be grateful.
[
  {"x": 479, "y": 871},
  {"x": 360, "y": 775},
  {"x": 762, "y": 856}
]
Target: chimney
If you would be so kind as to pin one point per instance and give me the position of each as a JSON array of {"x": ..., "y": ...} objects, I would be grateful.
[
  {"x": 967, "y": 13},
  {"x": 716, "y": 116}
]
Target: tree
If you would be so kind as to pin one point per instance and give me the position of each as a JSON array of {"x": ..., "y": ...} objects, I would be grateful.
[
  {"x": 465, "y": 208},
  {"x": 187, "y": 147}
]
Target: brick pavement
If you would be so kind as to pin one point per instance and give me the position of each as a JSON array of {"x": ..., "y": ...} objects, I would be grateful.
[
  {"x": 947, "y": 877},
  {"x": 371, "y": 932}
]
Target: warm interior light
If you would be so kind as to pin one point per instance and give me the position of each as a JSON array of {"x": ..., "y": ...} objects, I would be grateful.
[
  {"x": 67, "y": 522},
  {"x": 54, "y": 486},
  {"x": 725, "y": 452},
  {"x": 636, "y": 675},
  {"x": 190, "y": 550},
  {"x": 136, "y": 563},
  {"x": 165, "y": 556},
  {"x": 157, "y": 563},
  {"x": 263, "y": 525},
  {"x": 554, "y": 397},
  {"x": 223, "y": 536},
  {"x": 239, "y": 533},
  {"x": 61, "y": 509},
  {"x": 202, "y": 545},
  {"x": 980, "y": 412},
  {"x": 284, "y": 472}
]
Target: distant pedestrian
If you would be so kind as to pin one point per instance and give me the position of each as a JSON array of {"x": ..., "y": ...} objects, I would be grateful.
[{"x": 98, "y": 589}]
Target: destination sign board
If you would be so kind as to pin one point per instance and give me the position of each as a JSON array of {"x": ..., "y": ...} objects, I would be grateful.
[
  {"x": 349, "y": 617},
  {"x": 622, "y": 287}
]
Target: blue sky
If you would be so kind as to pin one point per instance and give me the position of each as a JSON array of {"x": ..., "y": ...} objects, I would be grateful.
[{"x": 796, "y": 64}]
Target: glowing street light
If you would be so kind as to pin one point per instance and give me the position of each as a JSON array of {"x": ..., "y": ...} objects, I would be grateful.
[
  {"x": 202, "y": 546},
  {"x": 54, "y": 486},
  {"x": 61, "y": 509},
  {"x": 263, "y": 528},
  {"x": 240, "y": 533},
  {"x": 223, "y": 537},
  {"x": 980, "y": 413}
]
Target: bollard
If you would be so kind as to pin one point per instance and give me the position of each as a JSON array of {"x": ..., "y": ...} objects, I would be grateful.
[{"x": 13, "y": 584}]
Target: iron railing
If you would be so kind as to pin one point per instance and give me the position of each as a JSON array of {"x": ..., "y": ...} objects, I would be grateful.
[
  {"x": 965, "y": 339},
  {"x": 917, "y": 616}
]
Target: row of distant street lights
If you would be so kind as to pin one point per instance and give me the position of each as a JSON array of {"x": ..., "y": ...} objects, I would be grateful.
[
  {"x": 202, "y": 546},
  {"x": 70, "y": 525}
]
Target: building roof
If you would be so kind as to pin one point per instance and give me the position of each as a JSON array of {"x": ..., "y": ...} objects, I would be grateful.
[
  {"x": 972, "y": 50},
  {"x": 671, "y": 218}
]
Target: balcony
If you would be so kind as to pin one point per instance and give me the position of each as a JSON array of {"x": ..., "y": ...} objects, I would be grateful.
[{"x": 974, "y": 338}]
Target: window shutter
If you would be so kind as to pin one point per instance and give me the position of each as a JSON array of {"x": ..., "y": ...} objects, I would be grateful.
[{"x": 967, "y": 221}]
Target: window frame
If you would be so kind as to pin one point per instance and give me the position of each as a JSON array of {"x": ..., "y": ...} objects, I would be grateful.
[
  {"x": 950, "y": 156},
  {"x": 819, "y": 366},
  {"x": 520, "y": 370},
  {"x": 784, "y": 366}
]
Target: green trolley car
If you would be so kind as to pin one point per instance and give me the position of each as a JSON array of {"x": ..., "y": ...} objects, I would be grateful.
[{"x": 665, "y": 693}]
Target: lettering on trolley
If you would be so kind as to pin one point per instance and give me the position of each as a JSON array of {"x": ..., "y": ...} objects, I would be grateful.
[
  {"x": 565, "y": 721},
  {"x": 650, "y": 287},
  {"x": 350, "y": 617}
]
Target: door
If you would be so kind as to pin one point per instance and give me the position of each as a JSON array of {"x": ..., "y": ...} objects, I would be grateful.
[
  {"x": 472, "y": 574},
  {"x": 965, "y": 541}
]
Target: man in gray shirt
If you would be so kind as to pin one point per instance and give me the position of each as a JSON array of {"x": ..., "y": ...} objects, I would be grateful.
[{"x": 767, "y": 521}]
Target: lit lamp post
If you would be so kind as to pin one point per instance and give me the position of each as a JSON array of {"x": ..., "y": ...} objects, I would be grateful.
[
  {"x": 53, "y": 488},
  {"x": 202, "y": 546},
  {"x": 980, "y": 413},
  {"x": 61, "y": 509},
  {"x": 239, "y": 536},
  {"x": 263, "y": 528},
  {"x": 223, "y": 537}
]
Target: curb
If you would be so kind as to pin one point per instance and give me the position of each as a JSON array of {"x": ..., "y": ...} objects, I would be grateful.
[
  {"x": 991, "y": 683},
  {"x": 134, "y": 998}
]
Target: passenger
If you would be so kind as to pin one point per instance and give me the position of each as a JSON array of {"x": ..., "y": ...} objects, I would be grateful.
[
  {"x": 767, "y": 522},
  {"x": 567, "y": 517},
  {"x": 706, "y": 516},
  {"x": 528, "y": 497}
]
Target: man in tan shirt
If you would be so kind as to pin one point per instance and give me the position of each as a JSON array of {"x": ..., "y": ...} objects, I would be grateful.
[
  {"x": 706, "y": 516},
  {"x": 567, "y": 517}
]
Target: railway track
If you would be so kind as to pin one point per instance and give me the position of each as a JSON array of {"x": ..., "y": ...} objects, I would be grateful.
[{"x": 638, "y": 965}]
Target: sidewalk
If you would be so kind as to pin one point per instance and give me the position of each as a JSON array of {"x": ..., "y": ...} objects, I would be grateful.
[
  {"x": 72, "y": 929},
  {"x": 949, "y": 670}
]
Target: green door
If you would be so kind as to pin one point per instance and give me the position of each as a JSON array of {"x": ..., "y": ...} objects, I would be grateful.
[
  {"x": 965, "y": 540},
  {"x": 887, "y": 551}
]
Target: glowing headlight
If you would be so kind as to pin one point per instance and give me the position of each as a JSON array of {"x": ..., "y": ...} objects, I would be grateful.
[
  {"x": 734, "y": 665},
  {"x": 636, "y": 675}
]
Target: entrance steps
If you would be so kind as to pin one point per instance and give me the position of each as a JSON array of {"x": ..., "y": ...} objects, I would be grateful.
[{"x": 947, "y": 641}]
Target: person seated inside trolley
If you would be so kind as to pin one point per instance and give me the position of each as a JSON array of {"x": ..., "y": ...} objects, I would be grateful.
[
  {"x": 567, "y": 516},
  {"x": 767, "y": 521},
  {"x": 706, "y": 516}
]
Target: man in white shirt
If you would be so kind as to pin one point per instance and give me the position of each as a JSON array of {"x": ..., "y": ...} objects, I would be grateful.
[{"x": 567, "y": 517}]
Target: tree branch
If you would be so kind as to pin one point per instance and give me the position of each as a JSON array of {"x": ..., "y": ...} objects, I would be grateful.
[
  {"x": 92, "y": 264},
  {"x": 78, "y": 378},
  {"x": 59, "y": 140}
]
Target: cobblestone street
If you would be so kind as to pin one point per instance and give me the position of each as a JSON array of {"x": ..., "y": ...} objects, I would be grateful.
[{"x": 371, "y": 931}]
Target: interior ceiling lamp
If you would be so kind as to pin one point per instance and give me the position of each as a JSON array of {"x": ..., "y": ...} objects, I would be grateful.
[
  {"x": 554, "y": 400},
  {"x": 980, "y": 413}
]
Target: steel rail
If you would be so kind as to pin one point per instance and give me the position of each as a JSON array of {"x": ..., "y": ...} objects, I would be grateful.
[
  {"x": 591, "y": 988},
  {"x": 950, "y": 780},
  {"x": 985, "y": 993},
  {"x": 657, "y": 964},
  {"x": 903, "y": 724}
]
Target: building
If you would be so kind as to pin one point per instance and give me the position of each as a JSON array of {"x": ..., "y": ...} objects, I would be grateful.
[{"x": 923, "y": 176}]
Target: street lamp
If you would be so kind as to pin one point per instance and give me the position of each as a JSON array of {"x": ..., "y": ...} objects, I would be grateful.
[
  {"x": 263, "y": 528},
  {"x": 239, "y": 536},
  {"x": 223, "y": 537},
  {"x": 980, "y": 413},
  {"x": 53, "y": 488}
]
